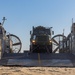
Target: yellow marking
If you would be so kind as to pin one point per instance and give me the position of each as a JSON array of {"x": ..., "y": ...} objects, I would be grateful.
[{"x": 39, "y": 60}]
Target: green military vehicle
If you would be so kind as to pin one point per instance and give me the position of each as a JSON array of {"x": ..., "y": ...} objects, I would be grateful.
[{"x": 40, "y": 41}]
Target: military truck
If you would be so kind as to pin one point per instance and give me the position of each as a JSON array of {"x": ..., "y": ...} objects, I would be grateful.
[{"x": 40, "y": 40}]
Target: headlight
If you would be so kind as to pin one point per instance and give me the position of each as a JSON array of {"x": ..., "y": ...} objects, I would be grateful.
[
  {"x": 50, "y": 41},
  {"x": 33, "y": 41}
]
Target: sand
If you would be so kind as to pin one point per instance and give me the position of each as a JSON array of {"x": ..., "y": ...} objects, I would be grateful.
[{"x": 36, "y": 71}]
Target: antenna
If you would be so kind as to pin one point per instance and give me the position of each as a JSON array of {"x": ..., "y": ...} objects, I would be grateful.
[
  {"x": 3, "y": 20},
  {"x": 72, "y": 20},
  {"x": 63, "y": 31}
]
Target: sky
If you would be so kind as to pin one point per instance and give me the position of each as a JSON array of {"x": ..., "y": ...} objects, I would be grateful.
[{"x": 21, "y": 15}]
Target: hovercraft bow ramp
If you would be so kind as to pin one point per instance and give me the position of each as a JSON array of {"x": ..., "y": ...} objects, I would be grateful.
[{"x": 39, "y": 59}]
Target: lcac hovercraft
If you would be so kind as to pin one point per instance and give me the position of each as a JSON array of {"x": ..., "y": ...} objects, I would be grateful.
[{"x": 41, "y": 52}]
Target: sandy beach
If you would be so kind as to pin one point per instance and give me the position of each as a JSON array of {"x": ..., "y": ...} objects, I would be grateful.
[{"x": 36, "y": 71}]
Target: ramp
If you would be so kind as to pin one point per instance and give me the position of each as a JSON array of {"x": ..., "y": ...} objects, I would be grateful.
[
  {"x": 52, "y": 62},
  {"x": 36, "y": 59}
]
